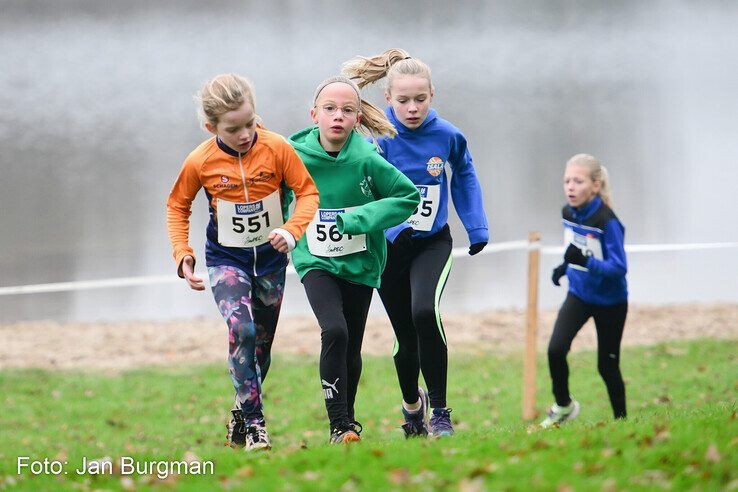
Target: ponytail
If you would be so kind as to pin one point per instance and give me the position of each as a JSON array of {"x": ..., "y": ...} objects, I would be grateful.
[{"x": 391, "y": 63}]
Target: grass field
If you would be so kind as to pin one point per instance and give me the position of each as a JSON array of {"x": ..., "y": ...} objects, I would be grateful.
[{"x": 682, "y": 432}]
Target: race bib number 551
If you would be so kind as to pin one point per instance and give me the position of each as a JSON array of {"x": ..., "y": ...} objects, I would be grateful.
[
  {"x": 245, "y": 225},
  {"x": 323, "y": 238}
]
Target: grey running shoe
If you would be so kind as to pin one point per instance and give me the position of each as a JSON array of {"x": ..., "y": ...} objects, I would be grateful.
[
  {"x": 348, "y": 433},
  {"x": 558, "y": 415},
  {"x": 440, "y": 422},
  {"x": 416, "y": 423}
]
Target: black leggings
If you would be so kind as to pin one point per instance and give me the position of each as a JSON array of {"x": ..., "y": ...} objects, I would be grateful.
[
  {"x": 609, "y": 322},
  {"x": 412, "y": 284},
  {"x": 341, "y": 308}
]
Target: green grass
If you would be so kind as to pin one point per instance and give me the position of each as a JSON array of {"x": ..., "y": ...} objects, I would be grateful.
[{"x": 682, "y": 432}]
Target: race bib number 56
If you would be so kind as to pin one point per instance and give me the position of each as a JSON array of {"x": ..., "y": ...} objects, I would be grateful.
[
  {"x": 245, "y": 225},
  {"x": 323, "y": 238}
]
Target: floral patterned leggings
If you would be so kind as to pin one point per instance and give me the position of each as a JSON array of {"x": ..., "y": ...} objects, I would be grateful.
[{"x": 250, "y": 306}]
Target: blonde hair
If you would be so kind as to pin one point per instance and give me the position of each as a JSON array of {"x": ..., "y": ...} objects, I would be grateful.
[
  {"x": 373, "y": 120},
  {"x": 597, "y": 172},
  {"x": 225, "y": 92},
  {"x": 390, "y": 64}
]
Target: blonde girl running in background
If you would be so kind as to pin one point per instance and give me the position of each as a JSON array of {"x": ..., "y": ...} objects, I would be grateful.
[{"x": 595, "y": 264}]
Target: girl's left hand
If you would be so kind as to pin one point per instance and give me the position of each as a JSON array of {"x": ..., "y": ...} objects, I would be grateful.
[
  {"x": 476, "y": 248},
  {"x": 575, "y": 256},
  {"x": 278, "y": 242}
]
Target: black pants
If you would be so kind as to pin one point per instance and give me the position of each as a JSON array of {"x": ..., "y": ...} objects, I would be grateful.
[
  {"x": 412, "y": 284},
  {"x": 341, "y": 308},
  {"x": 609, "y": 322}
]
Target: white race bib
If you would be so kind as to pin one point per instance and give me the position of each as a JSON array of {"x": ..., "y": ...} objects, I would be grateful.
[
  {"x": 245, "y": 225},
  {"x": 323, "y": 238},
  {"x": 424, "y": 216},
  {"x": 590, "y": 246}
]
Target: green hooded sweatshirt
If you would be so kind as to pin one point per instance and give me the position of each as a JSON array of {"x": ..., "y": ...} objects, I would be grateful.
[{"x": 378, "y": 197}]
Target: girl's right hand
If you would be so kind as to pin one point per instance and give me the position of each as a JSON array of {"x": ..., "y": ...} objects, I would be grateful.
[
  {"x": 557, "y": 273},
  {"x": 188, "y": 270}
]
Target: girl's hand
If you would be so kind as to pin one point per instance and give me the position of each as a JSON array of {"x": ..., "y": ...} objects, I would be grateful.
[
  {"x": 278, "y": 242},
  {"x": 575, "y": 256},
  {"x": 188, "y": 270},
  {"x": 476, "y": 248},
  {"x": 557, "y": 273}
]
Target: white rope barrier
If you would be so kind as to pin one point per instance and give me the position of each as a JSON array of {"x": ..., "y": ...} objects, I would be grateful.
[{"x": 521, "y": 245}]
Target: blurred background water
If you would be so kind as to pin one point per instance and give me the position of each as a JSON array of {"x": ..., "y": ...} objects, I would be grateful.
[{"x": 97, "y": 114}]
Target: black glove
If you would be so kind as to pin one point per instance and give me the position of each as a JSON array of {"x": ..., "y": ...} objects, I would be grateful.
[
  {"x": 404, "y": 239},
  {"x": 575, "y": 256},
  {"x": 557, "y": 273},
  {"x": 476, "y": 248}
]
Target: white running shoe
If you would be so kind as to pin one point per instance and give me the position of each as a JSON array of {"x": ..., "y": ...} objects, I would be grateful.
[
  {"x": 257, "y": 438},
  {"x": 558, "y": 415}
]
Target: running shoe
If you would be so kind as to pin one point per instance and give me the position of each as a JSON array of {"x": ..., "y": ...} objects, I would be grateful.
[
  {"x": 416, "y": 423},
  {"x": 236, "y": 435},
  {"x": 346, "y": 433},
  {"x": 440, "y": 423},
  {"x": 557, "y": 415},
  {"x": 257, "y": 438}
]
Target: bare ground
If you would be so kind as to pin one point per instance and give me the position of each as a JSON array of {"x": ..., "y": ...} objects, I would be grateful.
[{"x": 124, "y": 345}]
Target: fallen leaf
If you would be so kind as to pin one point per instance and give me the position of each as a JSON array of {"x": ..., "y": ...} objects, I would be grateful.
[
  {"x": 311, "y": 475},
  {"x": 712, "y": 455},
  {"x": 663, "y": 399},
  {"x": 483, "y": 470},
  {"x": 127, "y": 483},
  {"x": 398, "y": 476},
  {"x": 472, "y": 485},
  {"x": 609, "y": 485}
]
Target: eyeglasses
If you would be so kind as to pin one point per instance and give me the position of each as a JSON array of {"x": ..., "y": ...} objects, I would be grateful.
[{"x": 347, "y": 111}]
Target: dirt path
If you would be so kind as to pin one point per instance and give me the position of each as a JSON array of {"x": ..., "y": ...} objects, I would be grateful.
[{"x": 116, "y": 346}]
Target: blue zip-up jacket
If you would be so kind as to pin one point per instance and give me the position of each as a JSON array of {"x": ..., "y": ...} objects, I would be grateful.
[
  {"x": 421, "y": 154},
  {"x": 597, "y": 231}
]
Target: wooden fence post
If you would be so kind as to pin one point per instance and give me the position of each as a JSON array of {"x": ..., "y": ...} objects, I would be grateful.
[{"x": 531, "y": 328}]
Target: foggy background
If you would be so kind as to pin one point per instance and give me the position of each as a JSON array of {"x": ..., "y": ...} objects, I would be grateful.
[{"x": 97, "y": 115}]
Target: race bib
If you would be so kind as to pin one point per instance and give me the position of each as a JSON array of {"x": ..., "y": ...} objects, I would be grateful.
[
  {"x": 424, "y": 216},
  {"x": 589, "y": 244},
  {"x": 246, "y": 225},
  {"x": 323, "y": 238}
]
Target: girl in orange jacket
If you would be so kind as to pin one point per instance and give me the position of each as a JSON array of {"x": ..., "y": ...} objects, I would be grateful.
[{"x": 247, "y": 173}]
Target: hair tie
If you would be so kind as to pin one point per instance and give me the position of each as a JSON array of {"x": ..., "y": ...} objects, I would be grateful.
[{"x": 407, "y": 57}]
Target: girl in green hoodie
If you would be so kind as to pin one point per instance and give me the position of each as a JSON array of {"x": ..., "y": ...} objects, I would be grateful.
[{"x": 341, "y": 257}]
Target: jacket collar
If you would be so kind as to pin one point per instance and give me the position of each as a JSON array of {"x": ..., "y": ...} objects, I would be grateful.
[
  {"x": 232, "y": 152},
  {"x": 585, "y": 211}
]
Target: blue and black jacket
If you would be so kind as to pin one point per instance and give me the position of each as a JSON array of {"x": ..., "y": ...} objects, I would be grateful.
[
  {"x": 421, "y": 155},
  {"x": 596, "y": 229}
]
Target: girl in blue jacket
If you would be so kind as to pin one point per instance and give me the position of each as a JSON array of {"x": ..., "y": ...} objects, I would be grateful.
[
  {"x": 594, "y": 263},
  {"x": 419, "y": 250}
]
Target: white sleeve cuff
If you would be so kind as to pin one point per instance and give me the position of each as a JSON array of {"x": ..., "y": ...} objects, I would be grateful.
[{"x": 287, "y": 237}]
